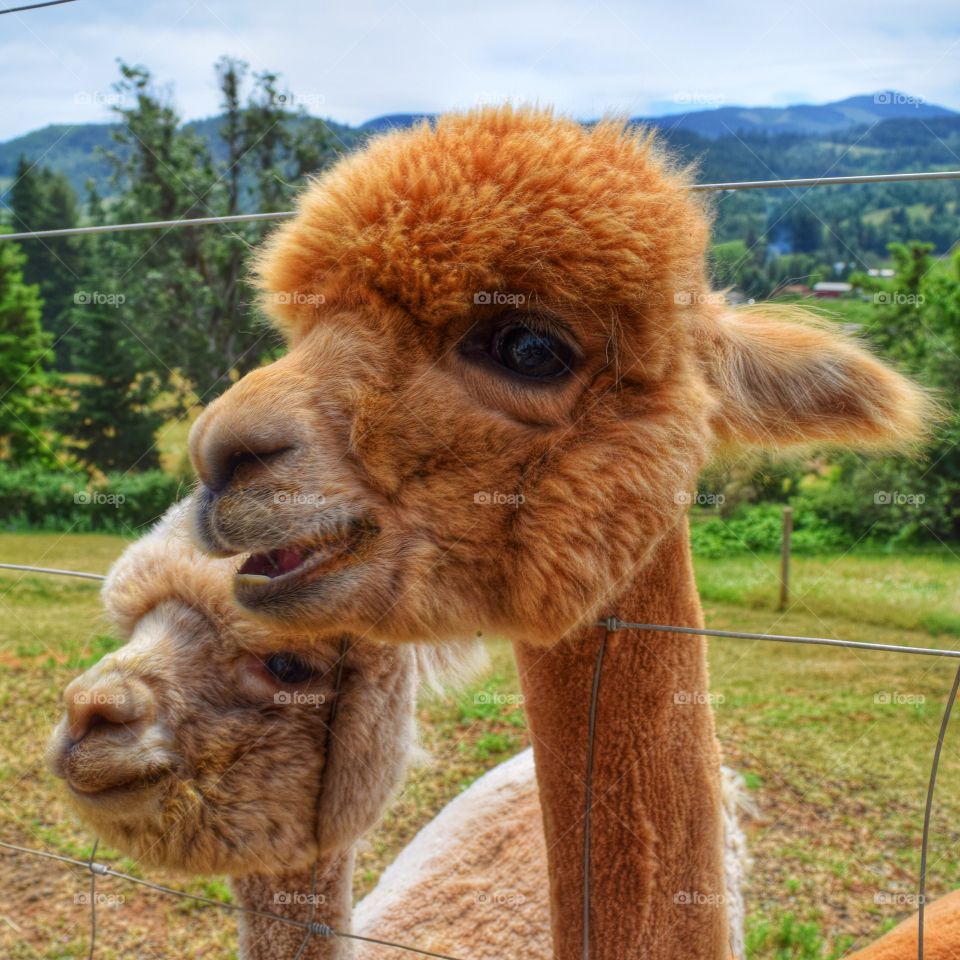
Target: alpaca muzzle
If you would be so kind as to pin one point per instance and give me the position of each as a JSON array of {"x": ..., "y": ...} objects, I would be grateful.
[{"x": 108, "y": 743}]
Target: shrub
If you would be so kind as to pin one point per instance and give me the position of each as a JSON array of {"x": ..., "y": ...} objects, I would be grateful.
[
  {"x": 759, "y": 529},
  {"x": 33, "y": 499}
]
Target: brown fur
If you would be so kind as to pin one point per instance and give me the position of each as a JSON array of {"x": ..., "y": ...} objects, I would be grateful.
[
  {"x": 941, "y": 935},
  {"x": 378, "y": 411}
]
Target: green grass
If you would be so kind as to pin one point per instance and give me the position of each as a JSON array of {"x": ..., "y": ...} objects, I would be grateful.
[
  {"x": 912, "y": 592},
  {"x": 834, "y": 747}
]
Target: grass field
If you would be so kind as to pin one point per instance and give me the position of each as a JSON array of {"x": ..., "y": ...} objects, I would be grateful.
[{"x": 834, "y": 745}]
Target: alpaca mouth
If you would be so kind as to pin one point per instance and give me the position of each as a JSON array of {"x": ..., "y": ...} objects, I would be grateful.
[
  {"x": 124, "y": 788},
  {"x": 266, "y": 573}
]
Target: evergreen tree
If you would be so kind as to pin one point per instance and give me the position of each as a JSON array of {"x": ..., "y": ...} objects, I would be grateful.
[
  {"x": 115, "y": 410},
  {"x": 43, "y": 200},
  {"x": 24, "y": 349}
]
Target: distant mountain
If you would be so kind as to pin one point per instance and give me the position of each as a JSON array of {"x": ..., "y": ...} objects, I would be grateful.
[
  {"x": 803, "y": 117},
  {"x": 723, "y": 121},
  {"x": 728, "y": 141},
  {"x": 76, "y": 150}
]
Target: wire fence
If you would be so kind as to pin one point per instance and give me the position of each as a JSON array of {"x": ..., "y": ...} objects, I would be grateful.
[
  {"x": 925, "y": 175},
  {"x": 35, "y": 6},
  {"x": 313, "y": 928}
]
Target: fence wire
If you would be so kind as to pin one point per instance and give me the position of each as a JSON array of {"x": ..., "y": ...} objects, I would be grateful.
[
  {"x": 610, "y": 625},
  {"x": 922, "y": 175},
  {"x": 35, "y": 6}
]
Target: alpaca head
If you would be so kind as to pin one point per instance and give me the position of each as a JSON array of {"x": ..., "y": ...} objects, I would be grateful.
[
  {"x": 505, "y": 372},
  {"x": 199, "y": 746}
]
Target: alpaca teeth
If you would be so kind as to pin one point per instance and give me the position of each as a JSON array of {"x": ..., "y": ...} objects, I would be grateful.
[{"x": 252, "y": 578}]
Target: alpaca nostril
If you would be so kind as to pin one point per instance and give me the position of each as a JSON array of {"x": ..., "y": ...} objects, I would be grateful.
[
  {"x": 80, "y": 728},
  {"x": 105, "y": 708},
  {"x": 222, "y": 472},
  {"x": 241, "y": 440}
]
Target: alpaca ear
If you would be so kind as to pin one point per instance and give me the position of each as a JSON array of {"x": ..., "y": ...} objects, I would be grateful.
[
  {"x": 782, "y": 377},
  {"x": 372, "y": 739}
]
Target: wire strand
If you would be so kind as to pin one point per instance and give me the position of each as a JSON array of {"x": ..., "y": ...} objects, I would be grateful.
[
  {"x": 928, "y": 809},
  {"x": 279, "y": 215},
  {"x": 146, "y": 225},
  {"x": 35, "y": 6},
  {"x": 831, "y": 181},
  {"x": 100, "y": 869},
  {"x": 612, "y": 623},
  {"x": 52, "y": 570}
]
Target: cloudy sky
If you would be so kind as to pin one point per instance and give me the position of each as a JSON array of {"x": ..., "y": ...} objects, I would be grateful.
[{"x": 356, "y": 59}]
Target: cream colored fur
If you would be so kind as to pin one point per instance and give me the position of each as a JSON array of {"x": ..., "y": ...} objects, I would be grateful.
[{"x": 473, "y": 882}]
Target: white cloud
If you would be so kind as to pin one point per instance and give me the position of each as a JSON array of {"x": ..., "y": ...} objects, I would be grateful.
[{"x": 363, "y": 58}]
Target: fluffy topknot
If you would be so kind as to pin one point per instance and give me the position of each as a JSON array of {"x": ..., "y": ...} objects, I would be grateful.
[{"x": 499, "y": 198}]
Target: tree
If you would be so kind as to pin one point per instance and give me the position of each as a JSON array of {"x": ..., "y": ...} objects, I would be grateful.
[
  {"x": 916, "y": 322},
  {"x": 24, "y": 349},
  {"x": 42, "y": 200},
  {"x": 895, "y": 327},
  {"x": 115, "y": 410},
  {"x": 116, "y": 415},
  {"x": 186, "y": 287}
]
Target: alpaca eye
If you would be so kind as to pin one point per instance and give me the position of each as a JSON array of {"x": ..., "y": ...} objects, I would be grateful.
[
  {"x": 530, "y": 353},
  {"x": 287, "y": 668},
  {"x": 520, "y": 344}
]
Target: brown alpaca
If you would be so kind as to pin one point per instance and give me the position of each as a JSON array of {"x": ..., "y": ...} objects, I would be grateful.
[
  {"x": 190, "y": 748},
  {"x": 506, "y": 371}
]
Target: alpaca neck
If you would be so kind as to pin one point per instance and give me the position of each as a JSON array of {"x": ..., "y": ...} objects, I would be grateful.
[
  {"x": 292, "y": 895},
  {"x": 657, "y": 879}
]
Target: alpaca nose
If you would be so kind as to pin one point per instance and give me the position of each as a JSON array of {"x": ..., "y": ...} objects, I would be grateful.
[
  {"x": 106, "y": 704},
  {"x": 237, "y": 438}
]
